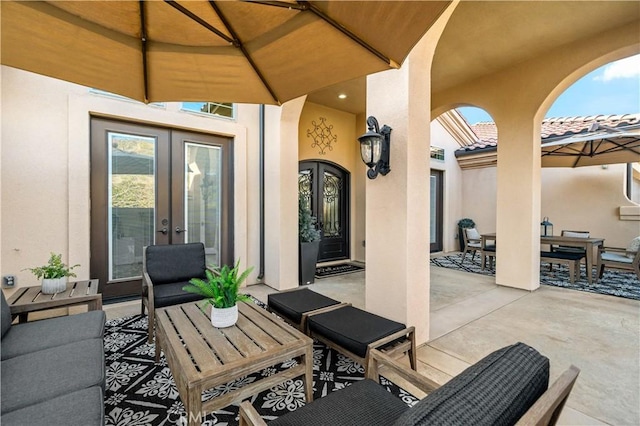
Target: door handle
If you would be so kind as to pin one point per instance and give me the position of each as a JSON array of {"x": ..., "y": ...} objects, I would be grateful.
[
  {"x": 179, "y": 230},
  {"x": 163, "y": 230}
]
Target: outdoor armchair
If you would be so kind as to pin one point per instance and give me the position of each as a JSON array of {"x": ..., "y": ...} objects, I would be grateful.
[
  {"x": 165, "y": 270},
  {"x": 508, "y": 386},
  {"x": 620, "y": 258}
]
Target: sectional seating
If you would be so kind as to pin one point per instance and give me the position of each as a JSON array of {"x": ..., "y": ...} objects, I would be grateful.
[{"x": 52, "y": 370}]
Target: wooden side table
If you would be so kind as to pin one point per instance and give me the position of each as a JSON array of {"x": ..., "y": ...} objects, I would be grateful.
[{"x": 31, "y": 299}]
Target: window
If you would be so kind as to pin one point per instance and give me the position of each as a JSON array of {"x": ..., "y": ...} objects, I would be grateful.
[
  {"x": 437, "y": 153},
  {"x": 214, "y": 108}
]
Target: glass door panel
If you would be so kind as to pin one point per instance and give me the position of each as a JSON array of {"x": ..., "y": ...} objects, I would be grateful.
[
  {"x": 332, "y": 213},
  {"x": 131, "y": 202},
  {"x": 203, "y": 198}
]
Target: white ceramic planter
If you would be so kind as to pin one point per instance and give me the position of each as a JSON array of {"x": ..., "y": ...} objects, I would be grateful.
[
  {"x": 54, "y": 285},
  {"x": 224, "y": 317}
]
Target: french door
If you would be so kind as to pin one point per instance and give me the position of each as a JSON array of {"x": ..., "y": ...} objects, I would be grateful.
[
  {"x": 154, "y": 185},
  {"x": 436, "y": 210},
  {"x": 325, "y": 189}
]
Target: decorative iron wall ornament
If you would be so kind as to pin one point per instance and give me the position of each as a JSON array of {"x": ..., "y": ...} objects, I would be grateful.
[{"x": 322, "y": 136}]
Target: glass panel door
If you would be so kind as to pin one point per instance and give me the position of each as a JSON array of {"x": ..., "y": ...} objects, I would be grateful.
[
  {"x": 203, "y": 198},
  {"x": 131, "y": 202},
  {"x": 436, "y": 210}
]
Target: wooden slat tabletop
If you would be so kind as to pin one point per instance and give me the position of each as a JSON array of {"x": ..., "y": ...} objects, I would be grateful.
[
  {"x": 30, "y": 299},
  {"x": 202, "y": 356}
]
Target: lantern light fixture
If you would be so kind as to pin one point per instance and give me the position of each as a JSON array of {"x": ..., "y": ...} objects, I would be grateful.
[
  {"x": 546, "y": 228},
  {"x": 375, "y": 147}
]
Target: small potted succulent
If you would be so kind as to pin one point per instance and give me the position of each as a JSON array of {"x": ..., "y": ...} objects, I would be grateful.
[
  {"x": 54, "y": 274},
  {"x": 220, "y": 290}
]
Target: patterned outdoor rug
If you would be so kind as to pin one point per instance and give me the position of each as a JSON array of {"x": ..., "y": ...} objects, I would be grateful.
[
  {"x": 613, "y": 283},
  {"x": 339, "y": 269},
  {"x": 141, "y": 392}
]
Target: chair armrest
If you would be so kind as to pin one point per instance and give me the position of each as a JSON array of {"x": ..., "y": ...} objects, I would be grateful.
[
  {"x": 473, "y": 240},
  {"x": 547, "y": 409},
  {"x": 147, "y": 284},
  {"x": 378, "y": 358},
  {"x": 620, "y": 250},
  {"x": 249, "y": 416}
]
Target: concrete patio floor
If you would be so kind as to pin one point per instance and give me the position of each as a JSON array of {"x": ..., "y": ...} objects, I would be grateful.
[{"x": 471, "y": 316}]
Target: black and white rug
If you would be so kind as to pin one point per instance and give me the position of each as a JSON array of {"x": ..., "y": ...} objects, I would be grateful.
[
  {"x": 339, "y": 269},
  {"x": 613, "y": 283},
  {"x": 141, "y": 392}
]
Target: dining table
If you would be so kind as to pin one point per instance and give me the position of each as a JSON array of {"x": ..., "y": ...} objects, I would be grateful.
[{"x": 588, "y": 244}]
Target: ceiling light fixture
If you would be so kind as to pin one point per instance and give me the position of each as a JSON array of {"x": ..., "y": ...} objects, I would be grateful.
[{"x": 342, "y": 96}]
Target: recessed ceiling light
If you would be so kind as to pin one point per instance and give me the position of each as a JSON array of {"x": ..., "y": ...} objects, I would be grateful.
[{"x": 342, "y": 96}]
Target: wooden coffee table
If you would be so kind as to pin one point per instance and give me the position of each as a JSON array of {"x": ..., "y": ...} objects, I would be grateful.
[
  {"x": 31, "y": 299},
  {"x": 202, "y": 356}
]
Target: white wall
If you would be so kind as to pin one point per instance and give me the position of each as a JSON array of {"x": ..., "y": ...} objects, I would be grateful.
[{"x": 45, "y": 169}]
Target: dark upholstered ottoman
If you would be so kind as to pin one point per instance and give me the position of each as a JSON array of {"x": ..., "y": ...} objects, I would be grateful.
[
  {"x": 293, "y": 305},
  {"x": 353, "y": 331}
]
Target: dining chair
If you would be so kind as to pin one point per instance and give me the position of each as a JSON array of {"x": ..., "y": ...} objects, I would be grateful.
[
  {"x": 471, "y": 238},
  {"x": 627, "y": 259}
]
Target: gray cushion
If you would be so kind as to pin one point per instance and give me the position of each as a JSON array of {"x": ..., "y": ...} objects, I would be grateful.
[
  {"x": 39, "y": 376},
  {"x": 363, "y": 403},
  {"x": 292, "y": 304},
  {"x": 175, "y": 262},
  {"x": 497, "y": 390},
  {"x": 84, "y": 407},
  {"x": 353, "y": 328},
  {"x": 5, "y": 313},
  {"x": 173, "y": 294},
  {"x": 38, "y": 335}
]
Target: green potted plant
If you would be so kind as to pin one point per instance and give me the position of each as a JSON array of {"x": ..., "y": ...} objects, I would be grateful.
[
  {"x": 54, "y": 274},
  {"x": 464, "y": 224},
  {"x": 309, "y": 247},
  {"x": 220, "y": 290}
]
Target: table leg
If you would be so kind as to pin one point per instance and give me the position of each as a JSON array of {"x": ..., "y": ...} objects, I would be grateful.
[
  {"x": 308, "y": 376},
  {"x": 23, "y": 318},
  {"x": 157, "y": 348},
  {"x": 193, "y": 406},
  {"x": 589, "y": 262},
  {"x": 95, "y": 305}
]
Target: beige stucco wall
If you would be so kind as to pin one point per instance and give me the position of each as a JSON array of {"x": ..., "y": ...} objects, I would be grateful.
[
  {"x": 585, "y": 198},
  {"x": 45, "y": 169},
  {"x": 452, "y": 184},
  {"x": 344, "y": 152}
]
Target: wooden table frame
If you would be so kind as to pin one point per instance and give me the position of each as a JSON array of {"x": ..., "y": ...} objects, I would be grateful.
[
  {"x": 30, "y": 299},
  {"x": 586, "y": 243},
  {"x": 201, "y": 356}
]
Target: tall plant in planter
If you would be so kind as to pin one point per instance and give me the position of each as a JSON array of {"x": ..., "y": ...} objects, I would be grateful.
[
  {"x": 462, "y": 225},
  {"x": 220, "y": 290},
  {"x": 309, "y": 244}
]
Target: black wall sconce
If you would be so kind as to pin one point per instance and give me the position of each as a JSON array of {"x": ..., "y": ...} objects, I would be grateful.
[{"x": 375, "y": 147}]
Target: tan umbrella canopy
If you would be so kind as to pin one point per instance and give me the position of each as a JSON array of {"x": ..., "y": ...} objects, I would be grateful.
[
  {"x": 223, "y": 51},
  {"x": 601, "y": 145}
]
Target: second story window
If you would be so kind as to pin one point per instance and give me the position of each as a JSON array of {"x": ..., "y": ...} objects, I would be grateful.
[{"x": 214, "y": 108}]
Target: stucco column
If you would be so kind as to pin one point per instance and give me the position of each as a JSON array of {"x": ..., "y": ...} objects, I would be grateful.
[
  {"x": 397, "y": 205},
  {"x": 518, "y": 201},
  {"x": 281, "y": 194}
]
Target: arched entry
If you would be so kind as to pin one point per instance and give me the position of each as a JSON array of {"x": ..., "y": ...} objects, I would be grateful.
[{"x": 325, "y": 188}]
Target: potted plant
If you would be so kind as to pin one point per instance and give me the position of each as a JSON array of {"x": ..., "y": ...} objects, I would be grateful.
[
  {"x": 464, "y": 224},
  {"x": 54, "y": 274},
  {"x": 309, "y": 246},
  {"x": 220, "y": 290}
]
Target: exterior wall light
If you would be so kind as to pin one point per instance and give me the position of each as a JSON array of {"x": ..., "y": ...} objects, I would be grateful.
[{"x": 375, "y": 147}]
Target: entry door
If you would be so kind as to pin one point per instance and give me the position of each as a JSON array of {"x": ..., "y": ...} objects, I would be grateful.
[
  {"x": 152, "y": 185},
  {"x": 436, "y": 210},
  {"x": 325, "y": 187}
]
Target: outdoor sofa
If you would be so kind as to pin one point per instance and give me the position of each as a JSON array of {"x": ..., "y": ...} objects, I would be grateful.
[
  {"x": 508, "y": 386},
  {"x": 53, "y": 370}
]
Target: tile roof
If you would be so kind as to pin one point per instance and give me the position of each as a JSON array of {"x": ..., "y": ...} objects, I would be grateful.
[{"x": 552, "y": 128}]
